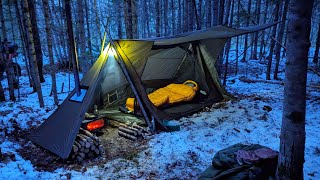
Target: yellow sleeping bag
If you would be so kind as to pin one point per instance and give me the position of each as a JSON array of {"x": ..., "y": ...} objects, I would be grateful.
[{"x": 171, "y": 94}]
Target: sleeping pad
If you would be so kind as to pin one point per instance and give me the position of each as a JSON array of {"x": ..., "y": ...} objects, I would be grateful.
[{"x": 171, "y": 94}]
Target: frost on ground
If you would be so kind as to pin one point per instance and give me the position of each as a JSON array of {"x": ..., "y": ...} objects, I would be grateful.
[{"x": 254, "y": 117}]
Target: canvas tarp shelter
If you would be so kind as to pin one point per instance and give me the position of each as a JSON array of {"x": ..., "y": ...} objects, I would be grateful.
[{"x": 128, "y": 68}]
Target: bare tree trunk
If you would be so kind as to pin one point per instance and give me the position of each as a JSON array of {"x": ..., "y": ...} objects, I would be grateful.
[
  {"x": 316, "y": 52},
  {"x": 24, "y": 41},
  {"x": 185, "y": 16},
  {"x": 97, "y": 18},
  {"x": 237, "y": 47},
  {"x": 179, "y": 17},
  {"x": 36, "y": 38},
  {"x": 292, "y": 138},
  {"x": 128, "y": 18},
  {"x": 165, "y": 17},
  {"x": 262, "y": 44},
  {"x": 215, "y": 11},
  {"x": 248, "y": 14},
  {"x": 88, "y": 26},
  {"x": 147, "y": 18},
  {"x": 274, "y": 31},
  {"x": 134, "y": 19},
  {"x": 226, "y": 20},
  {"x": 49, "y": 41},
  {"x": 119, "y": 21},
  {"x": 198, "y": 22},
  {"x": 279, "y": 38},
  {"x": 6, "y": 57},
  {"x": 256, "y": 35},
  {"x": 173, "y": 17},
  {"x": 158, "y": 18},
  {"x": 209, "y": 13},
  {"x": 33, "y": 64},
  {"x": 190, "y": 15},
  {"x": 221, "y": 12},
  {"x": 71, "y": 43},
  {"x": 230, "y": 22}
]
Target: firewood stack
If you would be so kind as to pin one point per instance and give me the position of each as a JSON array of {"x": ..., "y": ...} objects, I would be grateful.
[
  {"x": 86, "y": 146},
  {"x": 132, "y": 133}
]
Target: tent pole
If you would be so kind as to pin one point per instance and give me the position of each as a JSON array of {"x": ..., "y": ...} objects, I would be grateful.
[
  {"x": 103, "y": 42},
  {"x": 126, "y": 73}
]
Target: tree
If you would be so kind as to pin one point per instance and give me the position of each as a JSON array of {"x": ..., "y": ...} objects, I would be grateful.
[
  {"x": 316, "y": 51},
  {"x": 157, "y": 18},
  {"x": 49, "y": 42},
  {"x": 292, "y": 138},
  {"x": 280, "y": 37},
  {"x": 246, "y": 36},
  {"x": 208, "y": 14},
  {"x": 36, "y": 38},
  {"x": 273, "y": 42},
  {"x": 33, "y": 63},
  {"x": 72, "y": 49}
]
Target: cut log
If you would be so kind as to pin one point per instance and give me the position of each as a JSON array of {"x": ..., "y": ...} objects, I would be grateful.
[
  {"x": 127, "y": 131},
  {"x": 75, "y": 148},
  {"x": 89, "y": 134},
  {"x": 86, "y": 150},
  {"x": 127, "y": 136},
  {"x": 79, "y": 158}
]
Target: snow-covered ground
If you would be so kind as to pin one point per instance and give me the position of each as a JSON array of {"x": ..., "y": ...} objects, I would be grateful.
[{"x": 176, "y": 155}]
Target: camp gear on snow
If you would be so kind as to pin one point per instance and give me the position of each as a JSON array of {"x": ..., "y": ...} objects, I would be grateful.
[
  {"x": 225, "y": 164},
  {"x": 172, "y": 125},
  {"x": 251, "y": 157},
  {"x": 131, "y": 68},
  {"x": 171, "y": 94}
]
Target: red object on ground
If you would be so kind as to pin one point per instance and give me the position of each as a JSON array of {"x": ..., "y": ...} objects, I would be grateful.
[{"x": 95, "y": 124}]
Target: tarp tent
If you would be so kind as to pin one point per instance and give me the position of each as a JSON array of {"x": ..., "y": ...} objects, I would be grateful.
[{"x": 134, "y": 68}]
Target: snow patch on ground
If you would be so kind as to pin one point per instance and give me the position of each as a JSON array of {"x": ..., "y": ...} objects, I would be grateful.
[{"x": 255, "y": 117}]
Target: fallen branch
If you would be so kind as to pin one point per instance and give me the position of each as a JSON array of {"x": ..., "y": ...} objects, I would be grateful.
[
  {"x": 314, "y": 71},
  {"x": 243, "y": 79}
]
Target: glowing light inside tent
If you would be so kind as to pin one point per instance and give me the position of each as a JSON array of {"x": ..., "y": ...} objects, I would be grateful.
[{"x": 112, "y": 51}]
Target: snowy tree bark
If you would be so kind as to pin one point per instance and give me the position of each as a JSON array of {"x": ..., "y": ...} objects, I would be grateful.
[
  {"x": 49, "y": 42},
  {"x": 34, "y": 63},
  {"x": 272, "y": 44},
  {"x": 279, "y": 38},
  {"x": 292, "y": 138}
]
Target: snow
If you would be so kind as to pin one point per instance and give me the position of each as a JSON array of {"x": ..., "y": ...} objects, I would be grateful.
[{"x": 176, "y": 155}]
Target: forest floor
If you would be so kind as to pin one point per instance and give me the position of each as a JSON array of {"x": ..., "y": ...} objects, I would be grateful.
[{"x": 254, "y": 117}]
